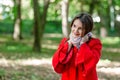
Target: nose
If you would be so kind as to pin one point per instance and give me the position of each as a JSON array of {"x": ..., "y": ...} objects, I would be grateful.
[{"x": 76, "y": 30}]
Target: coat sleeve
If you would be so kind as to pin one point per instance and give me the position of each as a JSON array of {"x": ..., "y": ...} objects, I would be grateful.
[
  {"x": 61, "y": 57},
  {"x": 89, "y": 55}
]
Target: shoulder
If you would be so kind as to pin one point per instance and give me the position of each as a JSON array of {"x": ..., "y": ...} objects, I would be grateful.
[
  {"x": 94, "y": 42},
  {"x": 63, "y": 40}
]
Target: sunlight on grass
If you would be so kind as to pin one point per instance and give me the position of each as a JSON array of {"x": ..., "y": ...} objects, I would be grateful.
[
  {"x": 54, "y": 35},
  {"x": 108, "y": 63},
  {"x": 110, "y": 71},
  {"x": 109, "y": 68},
  {"x": 24, "y": 62},
  {"x": 15, "y": 47},
  {"x": 50, "y": 46},
  {"x": 11, "y": 47},
  {"x": 3, "y": 40},
  {"x": 110, "y": 40},
  {"x": 113, "y": 50},
  {"x": 34, "y": 62}
]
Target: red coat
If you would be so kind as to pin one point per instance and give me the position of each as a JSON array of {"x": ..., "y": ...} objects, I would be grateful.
[{"x": 77, "y": 64}]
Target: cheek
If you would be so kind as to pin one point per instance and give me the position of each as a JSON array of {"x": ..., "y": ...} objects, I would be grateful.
[
  {"x": 72, "y": 29},
  {"x": 82, "y": 33}
]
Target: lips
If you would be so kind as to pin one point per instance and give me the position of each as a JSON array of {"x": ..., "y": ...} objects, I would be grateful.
[{"x": 76, "y": 35}]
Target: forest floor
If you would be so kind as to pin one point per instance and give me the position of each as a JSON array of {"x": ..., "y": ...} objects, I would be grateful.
[{"x": 41, "y": 69}]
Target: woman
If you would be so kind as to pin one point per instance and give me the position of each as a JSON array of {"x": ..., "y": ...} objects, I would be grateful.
[{"x": 76, "y": 57}]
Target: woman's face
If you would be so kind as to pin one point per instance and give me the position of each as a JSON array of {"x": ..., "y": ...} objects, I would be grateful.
[{"x": 77, "y": 28}]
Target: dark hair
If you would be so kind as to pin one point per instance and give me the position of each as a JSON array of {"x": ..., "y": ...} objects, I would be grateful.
[{"x": 87, "y": 21}]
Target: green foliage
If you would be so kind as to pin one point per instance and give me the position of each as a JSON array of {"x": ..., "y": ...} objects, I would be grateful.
[
  {"x": 27, "y": 27},
  {"x": 54, "y": 11},
  {"x": 6, "y": 26},
  {"x": 54, "y": 14},
  {"x": 117, "y": 2},
  {"x": 2, "y": 72},
  {"x": 53, "y": 27}
]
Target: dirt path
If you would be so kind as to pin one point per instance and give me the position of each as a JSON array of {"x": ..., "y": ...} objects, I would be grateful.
[{"x": 41, "y": 69}]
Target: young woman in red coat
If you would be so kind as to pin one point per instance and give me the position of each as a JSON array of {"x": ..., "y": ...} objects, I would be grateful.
[{"x": 76, "y": 57}]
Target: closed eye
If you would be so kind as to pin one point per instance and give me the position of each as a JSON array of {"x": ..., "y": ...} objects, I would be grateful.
[
  {"x": 80, "y": 28},
  {"x": 74, "y": 25}
]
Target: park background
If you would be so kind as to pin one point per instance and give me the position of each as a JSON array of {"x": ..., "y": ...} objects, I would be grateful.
[{"x": 30, "y": 31}]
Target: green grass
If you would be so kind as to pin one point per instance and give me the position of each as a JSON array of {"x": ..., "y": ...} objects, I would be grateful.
[
  {"x": 23, "y": 49},
  {"x": 19, "y": 50},
  {"x": 111, "y": 56},
  {"x": 111, "y": 48}
]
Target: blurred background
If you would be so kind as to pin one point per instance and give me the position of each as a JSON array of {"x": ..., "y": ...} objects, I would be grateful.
[{"x": 30, "y": 31}]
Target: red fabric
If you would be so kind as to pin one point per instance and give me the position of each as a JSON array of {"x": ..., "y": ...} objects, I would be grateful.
[{"x": 77, "y": 64}]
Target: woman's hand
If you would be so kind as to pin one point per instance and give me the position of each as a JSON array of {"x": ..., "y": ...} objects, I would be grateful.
[{"x": 85, "y": 38}]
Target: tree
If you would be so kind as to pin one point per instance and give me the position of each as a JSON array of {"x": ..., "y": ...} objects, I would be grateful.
[
  {"x": 65, "y": 27},
  {"x": 112, "y": 14},
  {"x": 92, "y": 6},
  {"x": 39, "y": 23},
  {"x": 17, "y": 24},
  {"x": 37, "y": 39},
  {"x": 104, "y": 17}
]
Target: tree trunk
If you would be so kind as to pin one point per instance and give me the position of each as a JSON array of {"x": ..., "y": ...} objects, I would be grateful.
[
  {"x": 112, "y": 14},
  {"x": 39, "y": 23},
  {"x": 17, "y": 24},
  {"x": 104, "y": 18},
  {"x": 81, "y": 5},
  {"x": 65, "y": 27},
  {"x": 103, "y": 32},
  {"x": 43, "y": 17},
  {"x": 37, "y": 40}
]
